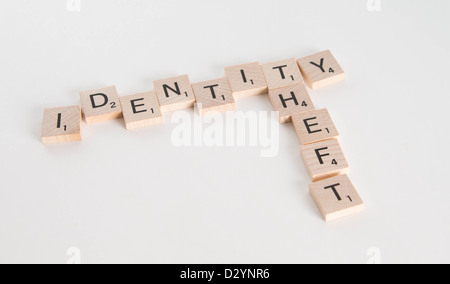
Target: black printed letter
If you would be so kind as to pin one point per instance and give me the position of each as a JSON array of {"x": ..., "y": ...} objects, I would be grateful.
[
  {"x": 308, "y": 126},
  {"x": 243, "y": 76},
  {"x": 283, "y": 100},
  {"x": 134, "y": 106},
  {"x": 333, "y": 187},
  {"x": 319, "y": 66},
  {"x": 213, "y": 92},
  {"x": 176, "y": 90},
  {"x": 58, "y": 124},
  {"x": 320, "y": 156},
  {"x": 94, "y": 105},
  {"x": 281, "y": 71}
]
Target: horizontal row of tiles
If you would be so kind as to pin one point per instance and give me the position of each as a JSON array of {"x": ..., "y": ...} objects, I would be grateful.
[{"x": 282, "y": 80}]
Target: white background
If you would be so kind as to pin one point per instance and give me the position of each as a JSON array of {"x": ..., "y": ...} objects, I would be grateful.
[{"x": 132, "y": 197}]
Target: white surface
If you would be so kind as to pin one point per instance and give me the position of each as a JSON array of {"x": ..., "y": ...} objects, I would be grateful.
[{"x": 133, "y": 197}]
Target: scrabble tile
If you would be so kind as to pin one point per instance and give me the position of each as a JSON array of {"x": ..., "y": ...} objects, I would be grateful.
[
  {"x": 290, "y": 101},
  {"x": 324, "y": 159},
  {"x": 141, "y": 110},
  {"x": 282, "y": 74},
  {"x": 321, "y": 69},
  {"x": 246, "y": 80},
  {"x": 336, "y": 198},
  {"x": 214, "y": 95},
  {"x": 61, "y": 125},
  {"x": 314, "y": 126},
  {"x": 100, "y": 105},
  {"x": 174, "y": 93}
]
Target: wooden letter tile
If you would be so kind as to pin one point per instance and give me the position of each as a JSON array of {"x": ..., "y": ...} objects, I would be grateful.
[
  {"x": 324, "y": 159},
  {"x": 336, "y": 198},
  {"x": 214, "y": 95},
  {"x": 321, "y": 69},
  {"x": 314, "y": 126},
  {"x": 290, "y": 101},
  {"x": 100, "y": 105},
  {"x": 246, "y": 80},
  {"x": 282, "y": 74},
  {"x": 174, "y": 93},
  {"x": 141, "y": 110},
  {"x": 61, "y": 125}
]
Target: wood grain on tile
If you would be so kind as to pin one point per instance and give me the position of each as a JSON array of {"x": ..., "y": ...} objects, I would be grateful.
[
  {"x": 246, "y": 80},
  {"x": 214, "y": 95},
  {"x": 141, "y": 110},
  {"x": 282, "y": 74},
  {"x": 62, "y": 124},
  {"x": 324, "y": 159},
  {"x": 100, "y": 105},
  {"x": 174, "y": 93},
  {"x": 336, "y": 198}
]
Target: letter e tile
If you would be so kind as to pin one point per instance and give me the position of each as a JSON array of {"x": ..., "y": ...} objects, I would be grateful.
[{"x": 141, "y": 110}]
